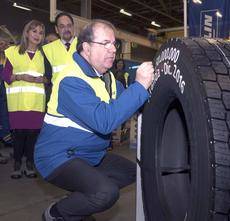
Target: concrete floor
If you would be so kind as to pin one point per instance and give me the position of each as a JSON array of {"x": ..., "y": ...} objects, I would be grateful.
[{"x": 25, "y": 199}]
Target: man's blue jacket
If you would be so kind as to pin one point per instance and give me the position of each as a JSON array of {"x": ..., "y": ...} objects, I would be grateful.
[{"x": 77, "y": 101}]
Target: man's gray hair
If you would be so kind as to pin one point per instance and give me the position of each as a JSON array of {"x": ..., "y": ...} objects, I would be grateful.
[{"x": 87, "y": 34}]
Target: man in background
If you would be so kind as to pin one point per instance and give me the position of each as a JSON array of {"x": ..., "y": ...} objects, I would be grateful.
[{"x": 60, "y": 51}]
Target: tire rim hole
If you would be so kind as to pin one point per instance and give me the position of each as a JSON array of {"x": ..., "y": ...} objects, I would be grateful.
[{"x": 174, "y": 164}]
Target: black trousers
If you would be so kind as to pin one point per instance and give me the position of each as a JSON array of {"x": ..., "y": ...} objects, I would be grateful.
[
  {"x": 23, "y": 143},
  {"x": 94, "y": 189}
]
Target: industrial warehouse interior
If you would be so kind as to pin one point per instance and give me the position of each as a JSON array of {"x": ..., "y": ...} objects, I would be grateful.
[{"x": 67, "y": 106}]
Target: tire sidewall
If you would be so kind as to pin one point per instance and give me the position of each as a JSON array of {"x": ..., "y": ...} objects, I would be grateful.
[{"x": 166, "y": 89}]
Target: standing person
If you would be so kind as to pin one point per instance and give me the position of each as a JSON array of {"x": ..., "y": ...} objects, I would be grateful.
[
  {"x": 24, "y": 77},
  {"x": 120, "y": 73},
  {"x": 71, "y": 149},
  {"x": 122, "y": 76},
  {"x": 60, "y": 52},
  {"x": 5, "y": 135}
]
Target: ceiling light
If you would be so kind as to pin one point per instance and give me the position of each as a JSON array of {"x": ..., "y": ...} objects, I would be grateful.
[
  {"x": 218, "y": 14},
  {"x": 197, "y": 1},
  {"x": 155, "y": 24},
  {"x": 21, "y": 7},
  {"x": 125, "y": 12}
]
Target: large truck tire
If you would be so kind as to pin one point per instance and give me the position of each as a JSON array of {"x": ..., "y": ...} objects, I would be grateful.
[{"x": 185, "y": 153}]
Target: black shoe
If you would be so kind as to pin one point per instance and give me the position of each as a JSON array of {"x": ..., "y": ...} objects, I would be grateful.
[
  {"x": 29, "y": 170},
  {"x": 7, "y": 140},
  {"x": 46, "y": 216},
  {"x": 17, "y": 173}
]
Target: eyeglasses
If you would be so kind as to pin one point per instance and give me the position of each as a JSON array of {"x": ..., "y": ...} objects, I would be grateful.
[
  {"x": 107, "y": 44},
  {"x": 68, "y": 26}
]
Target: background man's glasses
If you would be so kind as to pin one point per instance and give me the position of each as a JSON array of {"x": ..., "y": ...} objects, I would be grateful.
[
  {"x": 107, "y": 44},
  {"x": 68, "y": 26}
]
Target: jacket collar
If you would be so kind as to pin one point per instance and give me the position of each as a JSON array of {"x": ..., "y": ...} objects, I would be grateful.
[{"x": 84, "y": 65}]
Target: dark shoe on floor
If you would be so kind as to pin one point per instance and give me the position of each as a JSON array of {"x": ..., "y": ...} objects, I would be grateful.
[
  {"x": 3, "y": 160},
  {"x": 29, "y": 170},
  {"x": 17, "y": 173},
  {"x": 46, "y": 216},
  {"x": 7, "y": 140}
]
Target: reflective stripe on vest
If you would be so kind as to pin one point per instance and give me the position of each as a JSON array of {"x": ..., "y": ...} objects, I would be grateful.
[
  {"x": 22, "y": 95},
  {"x": 32, "y": 73},
  {"x": 63, "y": 122},
  {"x": 59, "y": 68},
  {"x": 25, "y": 89}
]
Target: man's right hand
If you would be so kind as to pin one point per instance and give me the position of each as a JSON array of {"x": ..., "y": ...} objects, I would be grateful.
[{"x": 145, "y": 74}]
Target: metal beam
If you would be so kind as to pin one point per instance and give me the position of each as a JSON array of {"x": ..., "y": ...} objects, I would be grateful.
[
  {"x": 163, "y": 5},
  {"x": 180, "y": 28},
  {"x": 32, "y": 7},
  {"x": 114, "y": 15},
  {"x": 130, "y": 37},
  {"x": 53, "y": 8},
  {"x": 133, "y": 13},
  {"x": 120, "y": 34},
  {"x": 86, "y": 9},
  {"x": 185, "y": 18},
  {"x": 158, "y": 11}
]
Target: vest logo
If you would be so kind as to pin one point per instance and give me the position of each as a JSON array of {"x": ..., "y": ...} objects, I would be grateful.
[{"x": 209, "y": 23}]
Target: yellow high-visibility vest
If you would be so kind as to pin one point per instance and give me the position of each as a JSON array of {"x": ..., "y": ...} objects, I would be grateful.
[
  {"x": 2, "y": 60},
  {"x": 126, "y": 76},
  {"x": 95, "y": 83},
  {"x": 58, "y": 56},
  {"x": 22, "y": 95}
]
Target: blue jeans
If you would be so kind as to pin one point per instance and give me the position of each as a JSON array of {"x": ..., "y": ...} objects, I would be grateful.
[{"x": 94, "y": 189}]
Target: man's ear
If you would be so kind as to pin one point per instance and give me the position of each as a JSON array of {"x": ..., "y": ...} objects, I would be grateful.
[
  {"x": 86, "y": 47},
  {"x": 56, "y": 29}
]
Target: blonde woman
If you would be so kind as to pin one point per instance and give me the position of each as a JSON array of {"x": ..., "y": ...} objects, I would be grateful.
[{"x": 24, "y": 77}]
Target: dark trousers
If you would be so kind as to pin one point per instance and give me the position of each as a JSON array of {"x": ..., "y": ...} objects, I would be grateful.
[
  {"x": 23, "y": 142},
  {"x": 94, "y": 189},
  {"x": 4, "y": 118}
]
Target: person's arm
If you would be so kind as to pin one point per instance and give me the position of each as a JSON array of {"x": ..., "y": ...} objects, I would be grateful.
[
  {"x": 40, "y": 80},
  {"x": 8, "y": 76},
  {"x": 7, "y": 73},
  {"x": 78, "y": 101}
]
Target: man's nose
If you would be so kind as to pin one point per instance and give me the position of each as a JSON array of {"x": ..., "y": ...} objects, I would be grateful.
[
  {"x": 65, "y": 29},
  {"x": 113, "y": 48}
]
